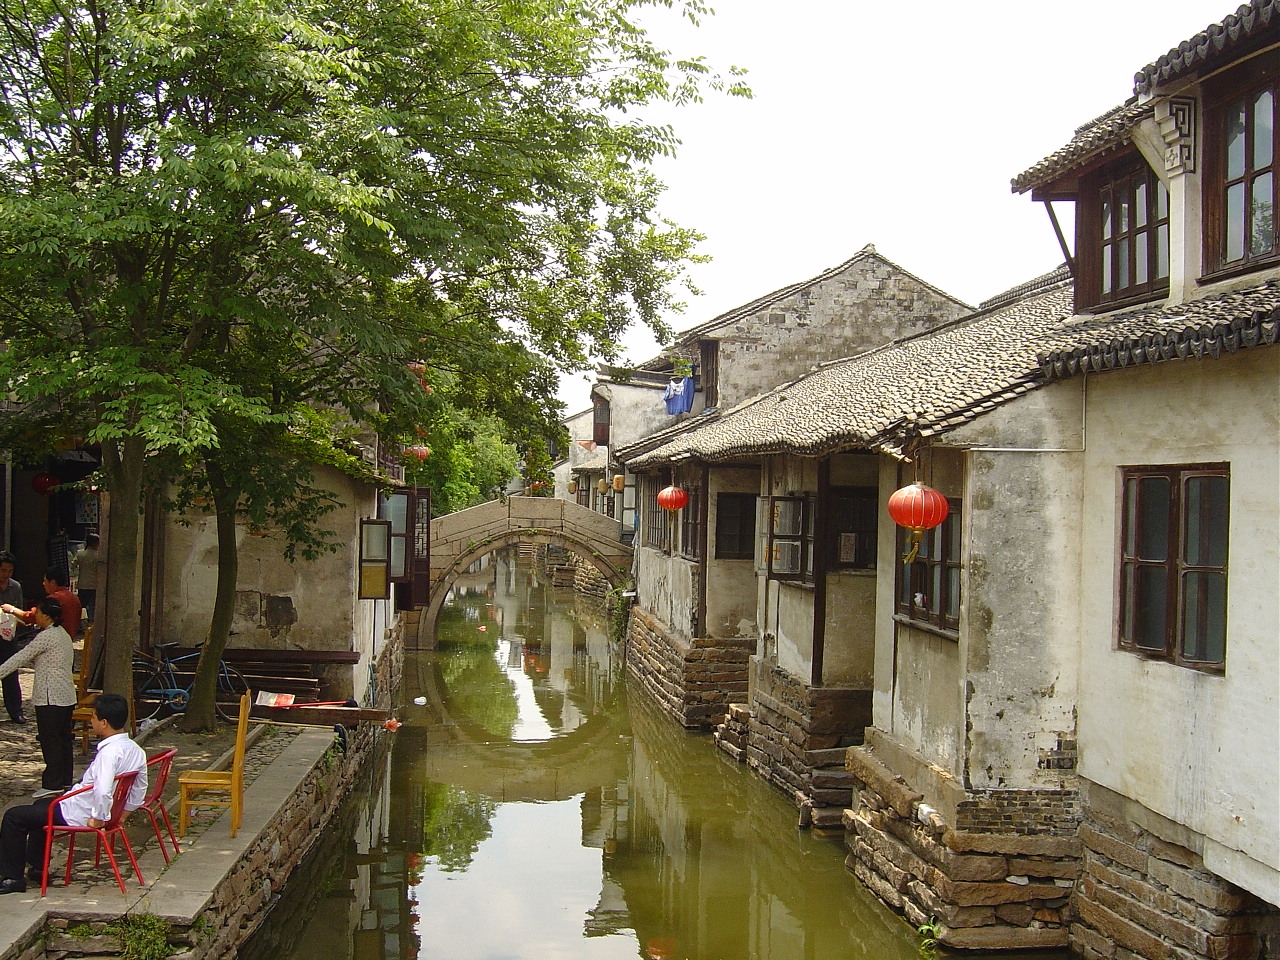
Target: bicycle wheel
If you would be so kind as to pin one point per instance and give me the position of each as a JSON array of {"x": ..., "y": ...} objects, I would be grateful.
[
  {"x": 150, "y": 686},
  {"x": 231, "y": 687}
]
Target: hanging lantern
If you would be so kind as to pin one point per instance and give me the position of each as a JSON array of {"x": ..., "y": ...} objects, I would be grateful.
[
  {"x": 419, "y": 452},
  {"x": 619, "y": 481},
  {"x": 573, "y": 486},
  {"x": 43, "y": 483},
  {"x": 672, "y": 498},
  {"x": 602, "y": 485},
  {"x": 416, "y": 368},
  {"x": 918, "y": 508}
]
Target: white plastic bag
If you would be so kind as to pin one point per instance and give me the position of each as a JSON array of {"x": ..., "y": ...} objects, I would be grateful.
[{"x": 8, "y": 625}]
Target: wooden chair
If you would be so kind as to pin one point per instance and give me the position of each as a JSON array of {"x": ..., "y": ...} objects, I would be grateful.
[
  {"x": 216, "y": 788},
  {"x": 83, "y": 713},
  {"x": 158, "y": 768},
  {"x": 106, "y": 834}
]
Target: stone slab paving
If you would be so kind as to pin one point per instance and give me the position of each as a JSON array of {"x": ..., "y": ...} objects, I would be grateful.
[{"x": 275, "y": 763}]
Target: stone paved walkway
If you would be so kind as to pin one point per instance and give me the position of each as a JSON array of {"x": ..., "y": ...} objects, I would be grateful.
[{"x": 22, "y": 766}]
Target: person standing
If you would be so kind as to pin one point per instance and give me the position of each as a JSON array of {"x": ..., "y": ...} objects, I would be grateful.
[
  {"x": 86, "y": 564},
  {"x": 10, "y": 593},
  {"x": 22, "y": 829},
  {"x": 53, "y": 694},
  {"x": 55, "y": 588}
]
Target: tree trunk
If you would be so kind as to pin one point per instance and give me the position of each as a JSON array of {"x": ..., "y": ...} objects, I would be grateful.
[
  {"x": 122, "y": 462},
  {"x": 201, "y": 715}
]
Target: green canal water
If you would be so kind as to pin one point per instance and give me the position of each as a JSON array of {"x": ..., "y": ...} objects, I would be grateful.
[{"x": 536, "y": 807}]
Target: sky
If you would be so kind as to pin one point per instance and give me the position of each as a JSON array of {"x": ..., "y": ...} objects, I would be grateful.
[{"x": 891, "y": 123}]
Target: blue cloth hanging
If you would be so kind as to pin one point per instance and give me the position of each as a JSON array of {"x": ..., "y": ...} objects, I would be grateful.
[{"x": 679, "y": 395}]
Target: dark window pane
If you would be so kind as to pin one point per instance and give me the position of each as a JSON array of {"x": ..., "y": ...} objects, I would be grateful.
[
  {"x": 1124, "y": 259},
  {"x": 1234, "y": 136},
  {"x": 1106, "y": 215},
  {"x": 1151, "y": 607},
  {"x": 1204, "y": 616},
  {"x": 1205, "y": 510},
  {"x": 1263, "y": 133},
  {"x": 1235, "y": 222},
  {"x": 1153, "y": 518},
  {"x": 1262, "y": 223}
]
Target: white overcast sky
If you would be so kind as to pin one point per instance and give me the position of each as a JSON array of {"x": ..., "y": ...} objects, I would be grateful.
[{"x": 893, "y": 123}]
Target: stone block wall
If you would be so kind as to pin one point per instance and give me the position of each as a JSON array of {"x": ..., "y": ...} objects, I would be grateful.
[
  {"x": 694, "y": 681},
  {"x": 1145, "y": 897},
  {"x": 1001, "y": 879},
  {"x": 794, "y": 736},
  {"x": 587, "y": 580}
]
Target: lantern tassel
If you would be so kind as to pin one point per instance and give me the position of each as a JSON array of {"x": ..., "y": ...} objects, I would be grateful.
[{"x": 916, "y": 537}]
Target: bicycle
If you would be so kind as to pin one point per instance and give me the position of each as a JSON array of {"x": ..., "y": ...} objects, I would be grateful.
[{"x": 156, "y": 684}]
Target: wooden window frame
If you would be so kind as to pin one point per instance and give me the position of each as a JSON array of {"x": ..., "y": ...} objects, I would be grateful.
[
  {"x": 852, "y": 544},
  {"x": 709, "y": 372},
  {"x": 1239, "y": 88},
  {"x": 657, "y": 525},
  {"x": 938, "y": 562},
  {"x": 801, "y": 539},
  {"x": 737, "y": 542},
  {"x": 1111, "y": 243},
  {"x": 1172, "y": 523},
  {"x": 601, "y": 418},
  {"x": 374, "y": 571},
  {"x": 691, "y": 543}
]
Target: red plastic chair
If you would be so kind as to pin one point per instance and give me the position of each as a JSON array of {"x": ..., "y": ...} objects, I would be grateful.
[
  {"x": 157, "y": 776},
  {"x": 105, "y": 834}
]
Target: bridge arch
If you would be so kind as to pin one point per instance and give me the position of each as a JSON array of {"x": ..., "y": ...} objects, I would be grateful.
[{"x": 460, "y": 539}]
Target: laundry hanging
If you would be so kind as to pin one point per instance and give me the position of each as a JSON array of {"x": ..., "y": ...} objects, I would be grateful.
[{"x": 679, "y": 395}]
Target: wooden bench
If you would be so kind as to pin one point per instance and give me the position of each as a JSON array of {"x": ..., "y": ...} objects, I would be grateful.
[{"x": 285, "y": 671}]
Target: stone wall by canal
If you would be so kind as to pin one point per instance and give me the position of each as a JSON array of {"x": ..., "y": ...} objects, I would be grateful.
[{"x": 693, "y": 680}]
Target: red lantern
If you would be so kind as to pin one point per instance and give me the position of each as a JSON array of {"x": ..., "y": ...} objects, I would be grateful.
[
  {"x": 672, "y": 498},
  {"x": 419, "y": 452},
  {"x": 918, "y": 508},
  {"x": 43, "y": 483}
]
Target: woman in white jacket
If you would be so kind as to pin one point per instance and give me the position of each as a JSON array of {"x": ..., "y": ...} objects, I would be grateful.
[{"x": 53, "y": 694}]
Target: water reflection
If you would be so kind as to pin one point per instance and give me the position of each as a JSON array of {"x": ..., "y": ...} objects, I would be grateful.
[{"x": 532, "y": 809}]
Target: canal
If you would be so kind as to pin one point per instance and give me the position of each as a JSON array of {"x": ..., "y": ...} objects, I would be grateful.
[{"x": 532, "y": 806}]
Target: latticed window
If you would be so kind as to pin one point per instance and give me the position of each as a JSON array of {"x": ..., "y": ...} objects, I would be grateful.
[
  {"x": 929, "y": 587},
  {"x": 691, "y": 524},
  {"x": 1173, "y": 563},
  {"x": 790, "y": 548},
  {"x": 1124, "y": 236},
  {"x": 657, "y": 527},
  {"x": 735, "y": 526}
]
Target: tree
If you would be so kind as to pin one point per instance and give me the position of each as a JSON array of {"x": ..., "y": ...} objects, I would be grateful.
[{"x": 364, "y": 180}]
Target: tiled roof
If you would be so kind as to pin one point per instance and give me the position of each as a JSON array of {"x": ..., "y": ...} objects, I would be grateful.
[
  {"x": 886, "y": 398},
  {"x": 936, "y": 381},
  {"x": 1201, "y": 328},
  {"x": 660, "y": 437},
  {"x": 1215, "y": 42},
  {"x": 593, "y": 465},
  {"x": 1102, "y": 133}
]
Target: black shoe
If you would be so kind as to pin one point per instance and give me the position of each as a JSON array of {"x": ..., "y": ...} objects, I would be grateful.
[
  {"x": 19, "y": 719},
  {"x": 35, "y": 875},
  {"x": 12, "y": 886}
]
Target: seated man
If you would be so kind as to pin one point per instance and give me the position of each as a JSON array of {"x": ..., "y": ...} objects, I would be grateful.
[{"x": 22, "y": 829}]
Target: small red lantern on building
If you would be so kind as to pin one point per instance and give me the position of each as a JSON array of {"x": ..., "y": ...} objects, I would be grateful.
[
  {"x": 918, "y": 508},
  {"x": 420, "y": 452},
  {"x": 672, "y": 498},
  {"x": 43, "y": 483}
]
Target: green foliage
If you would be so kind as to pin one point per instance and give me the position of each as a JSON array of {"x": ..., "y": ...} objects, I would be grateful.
[
  {"x": 929, "y": 933},
  {"x": 217, "y": 215},
  {"x": 455, "y": 823}
]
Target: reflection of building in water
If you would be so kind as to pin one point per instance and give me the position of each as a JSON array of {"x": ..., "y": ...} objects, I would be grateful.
[{"x": 606, "y": 816}]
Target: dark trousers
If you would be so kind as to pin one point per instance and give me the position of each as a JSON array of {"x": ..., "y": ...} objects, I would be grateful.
[
  {"x": 53, "y": 730},
  {"x": 22, "y": 837},
  {"x": 9, "y": 685}
]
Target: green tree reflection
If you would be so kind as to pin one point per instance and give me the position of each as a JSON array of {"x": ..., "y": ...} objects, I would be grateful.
[
  {"x": 455, "y": 823},
  {"x": 477, "y": 686}
]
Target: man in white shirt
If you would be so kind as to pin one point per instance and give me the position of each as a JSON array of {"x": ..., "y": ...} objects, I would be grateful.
[{"x": 22, "y": 829}]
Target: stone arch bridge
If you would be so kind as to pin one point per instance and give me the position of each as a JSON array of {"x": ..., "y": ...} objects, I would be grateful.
[{"x": 460, "y": 539}]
